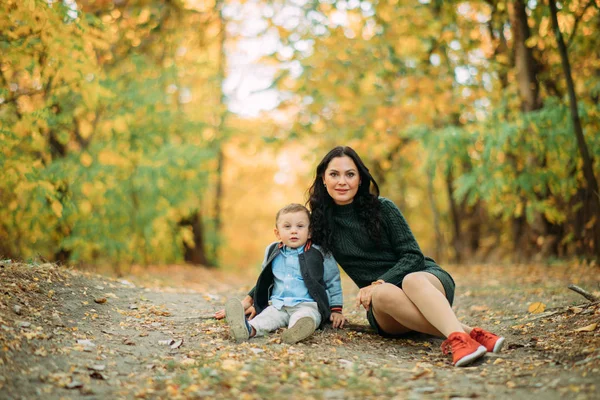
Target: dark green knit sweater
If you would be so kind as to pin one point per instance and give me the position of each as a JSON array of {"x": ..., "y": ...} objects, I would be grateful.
[{"x": 361, "y": 258}]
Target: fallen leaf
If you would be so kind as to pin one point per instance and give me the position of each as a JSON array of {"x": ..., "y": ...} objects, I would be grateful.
[
  {"x": 74, "y": 384},
  {"x": 57, "y": 321},
  {"x": 589, "y": 328},
  {"x": 41, "y": 352},
  {"x": 177, "y": 344},
  {"x": 97, "y": 375},
  {"x": 100, "y": 300},
  {"x": 230, "y": 365},
  {"x": 187, "y": 362},
  {"x": 536, "y": 308},
  {"x": 423, "y": 373}
]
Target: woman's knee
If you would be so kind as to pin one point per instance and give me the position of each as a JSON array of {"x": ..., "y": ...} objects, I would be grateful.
[
  {"x": 413, "y": 282},
  {"x": 387, "y": 295},
  {"x": 416, "y": 282}
]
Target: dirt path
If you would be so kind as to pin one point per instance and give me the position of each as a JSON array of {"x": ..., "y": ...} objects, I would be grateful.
[{"x": 66, "y": 334}]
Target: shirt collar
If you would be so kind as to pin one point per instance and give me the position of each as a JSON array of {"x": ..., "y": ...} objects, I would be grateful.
[{"x": 288, "y": 251}]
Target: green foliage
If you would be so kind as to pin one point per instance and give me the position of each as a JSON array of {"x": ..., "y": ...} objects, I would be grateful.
[
  {"x": 530, "y": 165},
  {"x": 100, "y": 158},
  {"x": 441, "y": 92}
]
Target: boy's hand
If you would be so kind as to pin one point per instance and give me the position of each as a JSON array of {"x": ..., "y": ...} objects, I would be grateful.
[
  {"x": 249, "y": 309},
  {"x": 220, "y": 314},
  {"x": 337, "y": 319},
  {"x": 250, "y": 312}
]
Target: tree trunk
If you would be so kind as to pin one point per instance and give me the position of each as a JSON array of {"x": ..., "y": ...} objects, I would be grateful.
[
  {"x": 195, "y": 255},
  {"x": 528, "y": 86},
  {"x": 592, "y": 198},
  {"x": 524, "y": 62},
  {"x": 439, "y": 238},
  {"x": 222, "y": 107},
  {"x": 455, "y": 218}
]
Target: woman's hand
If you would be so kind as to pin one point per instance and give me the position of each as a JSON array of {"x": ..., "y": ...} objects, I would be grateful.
[
  {"x": 365, "y": 295},
  {"x": 249, "y": 309},
  {"x": 337, "y": 319}
]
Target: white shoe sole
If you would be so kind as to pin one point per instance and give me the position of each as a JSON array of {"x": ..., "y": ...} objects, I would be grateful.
[
  {"x": 466, "y": 360},
  {"x": 236, "y": 319},
  {"x": 302, "y": 329},
  {"x": 498, "y": 345}
]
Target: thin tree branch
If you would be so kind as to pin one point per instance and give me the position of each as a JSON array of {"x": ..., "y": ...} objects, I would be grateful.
[
  {"x": 583, "y": 292},
  {"x": 577, "y": 20}
]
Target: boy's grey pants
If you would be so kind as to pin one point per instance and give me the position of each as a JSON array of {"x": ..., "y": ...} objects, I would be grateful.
[{"x": 272, "y": 319}]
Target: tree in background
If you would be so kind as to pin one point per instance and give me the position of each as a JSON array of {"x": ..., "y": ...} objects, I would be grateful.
[
  {"x": 468, "y": 87},
  {"x": 116, "y": 136},
  {"x": 108, "y": 130},
  {"x": 591, "y": 197}
]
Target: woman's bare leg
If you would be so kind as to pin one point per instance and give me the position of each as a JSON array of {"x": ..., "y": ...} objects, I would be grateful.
[{"x": 420, "y": 305}]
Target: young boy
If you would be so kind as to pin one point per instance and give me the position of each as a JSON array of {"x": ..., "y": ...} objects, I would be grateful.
[{"x": 298, "y": 287}]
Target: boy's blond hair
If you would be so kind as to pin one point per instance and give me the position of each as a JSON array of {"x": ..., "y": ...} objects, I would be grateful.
[{"x": 292, "y": 208}]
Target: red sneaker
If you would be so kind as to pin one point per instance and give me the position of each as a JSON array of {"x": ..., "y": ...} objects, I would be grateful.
[
  {"x": 491, "y": 342},
  {"x": 464, "y": 349}
]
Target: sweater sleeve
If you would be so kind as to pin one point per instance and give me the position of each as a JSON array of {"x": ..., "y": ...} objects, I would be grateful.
[
  {"x": 403, "y": 242},
  {"x": 333, "y": 283},
  {"x": 251, "y": 292}
]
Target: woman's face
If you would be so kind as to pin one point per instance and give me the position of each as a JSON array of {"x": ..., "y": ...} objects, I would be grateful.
[{"x": 341, "y": 179}]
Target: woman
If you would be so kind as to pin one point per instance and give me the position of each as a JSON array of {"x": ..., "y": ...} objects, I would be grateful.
[{"x": 401, "y": 290}]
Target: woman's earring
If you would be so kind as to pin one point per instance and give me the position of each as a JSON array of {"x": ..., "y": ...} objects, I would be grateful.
[{"x": 324, "y": 184}]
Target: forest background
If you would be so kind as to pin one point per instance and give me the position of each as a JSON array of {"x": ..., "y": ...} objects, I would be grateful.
[{"x": 138, "y": 132}]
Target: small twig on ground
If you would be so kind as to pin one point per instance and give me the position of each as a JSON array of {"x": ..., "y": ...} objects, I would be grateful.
[
  {"x": 587, "y": 360},
  {"x": 546, "y": 315},
  {"x": 561, "y": 310},
  {"x": 201, "y": 316},
  {"x": 357, "y": 327},
  {"x": 583, "y": 292}
]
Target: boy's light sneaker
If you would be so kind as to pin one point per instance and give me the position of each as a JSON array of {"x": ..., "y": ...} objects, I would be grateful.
[
  {"x": 493, "y": 343},
  {"x": 236, "y": 319},
  {"x": 464, "y": 349},
  {"x": 302, "y": 329}
]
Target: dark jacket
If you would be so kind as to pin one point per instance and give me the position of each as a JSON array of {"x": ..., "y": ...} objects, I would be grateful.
[{"x": 311, "y": 268}]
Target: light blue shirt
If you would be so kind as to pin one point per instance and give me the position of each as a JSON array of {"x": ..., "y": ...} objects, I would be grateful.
[{"x": 289, "y": 288}]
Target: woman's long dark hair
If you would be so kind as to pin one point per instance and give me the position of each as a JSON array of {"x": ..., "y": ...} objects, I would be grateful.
[{"x": 320, "y": 202}]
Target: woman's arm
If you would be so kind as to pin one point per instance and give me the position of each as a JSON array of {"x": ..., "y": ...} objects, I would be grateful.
[{"x": 404, "y": 244}]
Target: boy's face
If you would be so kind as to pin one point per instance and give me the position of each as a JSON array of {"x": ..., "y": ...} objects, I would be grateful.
[{"x": 292, "y": 229}]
